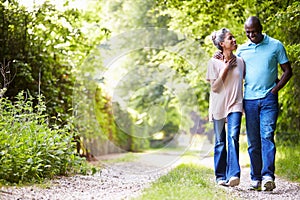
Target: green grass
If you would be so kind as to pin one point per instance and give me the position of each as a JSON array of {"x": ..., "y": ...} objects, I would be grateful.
[
  {"x": 125, "y": 157},
  {"x": 191, "y": 181},
  {"x": 287, "y": 159},
  {"x": 288, "y": 162},
  {"x": 185, "y": 182}
]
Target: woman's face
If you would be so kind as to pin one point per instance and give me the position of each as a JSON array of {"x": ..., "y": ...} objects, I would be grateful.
[{"x": 229, "y": 42}]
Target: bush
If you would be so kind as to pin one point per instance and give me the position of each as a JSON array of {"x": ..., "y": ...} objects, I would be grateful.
[{"x": 29, "y": 149}]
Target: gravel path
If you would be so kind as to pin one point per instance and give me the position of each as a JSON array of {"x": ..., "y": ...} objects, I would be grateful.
[
  {"x": 285, "y": 190},
  {"x": 127, "y": 180},
  {"x": 113, "y": 182}
]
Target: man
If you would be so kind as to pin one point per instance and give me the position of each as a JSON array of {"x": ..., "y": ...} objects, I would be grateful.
[{"x": 262, "y": 54}]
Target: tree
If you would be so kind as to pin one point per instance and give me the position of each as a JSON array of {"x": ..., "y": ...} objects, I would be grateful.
[{"x": 44, "y": 46}]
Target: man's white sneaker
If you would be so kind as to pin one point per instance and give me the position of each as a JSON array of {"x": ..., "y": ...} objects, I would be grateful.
[
  {"x": 233, "y": 181},
  {"x": 255, "y": 185},
  {"x": 269, "y": 184},
  {"x": 221, "y": 182}
]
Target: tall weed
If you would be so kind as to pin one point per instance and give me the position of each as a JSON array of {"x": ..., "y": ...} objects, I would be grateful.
[{"x": 29, "y": 149}]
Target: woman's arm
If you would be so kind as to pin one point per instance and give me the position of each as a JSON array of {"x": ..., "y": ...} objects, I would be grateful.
[{"x": 217, "y": 84}]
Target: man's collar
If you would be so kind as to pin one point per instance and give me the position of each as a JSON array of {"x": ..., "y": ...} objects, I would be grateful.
[{"x": 264, "y": 41}]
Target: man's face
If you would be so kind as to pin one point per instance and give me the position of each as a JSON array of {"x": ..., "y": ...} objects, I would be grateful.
[{"x": 253, "y": 32}]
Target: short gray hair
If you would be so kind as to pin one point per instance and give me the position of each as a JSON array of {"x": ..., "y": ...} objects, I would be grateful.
[{"x": 218, "y": 37}]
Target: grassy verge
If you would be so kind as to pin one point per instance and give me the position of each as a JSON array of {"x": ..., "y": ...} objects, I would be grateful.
[
  {"x": 287, "y": 159},
  {"x": 187, "y": 181},
  {"x": 125, "y": 157},
  {"x": 191, "y": 181},
  {"x": 288, "y": 162}
]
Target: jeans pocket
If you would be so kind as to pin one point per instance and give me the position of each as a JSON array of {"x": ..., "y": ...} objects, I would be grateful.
[
  {"x": 271, "y": 99},
  {"x": 271, "y": 94}
]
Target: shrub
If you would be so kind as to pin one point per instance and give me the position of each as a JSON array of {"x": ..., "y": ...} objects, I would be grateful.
[{"x": 31, "y": 150}]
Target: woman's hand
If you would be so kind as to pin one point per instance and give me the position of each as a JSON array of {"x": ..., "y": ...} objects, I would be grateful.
[{"x": 231, "y": 63}]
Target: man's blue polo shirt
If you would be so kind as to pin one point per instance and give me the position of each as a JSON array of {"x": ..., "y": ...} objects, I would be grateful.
[{"x": 261, "y": 65}]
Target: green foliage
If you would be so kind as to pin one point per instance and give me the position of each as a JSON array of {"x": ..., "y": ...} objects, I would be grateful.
[
  {"x": 107, "y": 115},
  {"x": 285, "y": 25},
  {"x": 288, "y": 125},
  {"x": 185, "y": 182},
  {"x": 120, "y": 16},
  {"x": 287, "y": 161},
  {"x": 280, "y": 19},
  {"x": 103, "y": 112},
  {"x": 29, "y": 149},
  {"x": 44, "y": 46},
  {"x": 198, "y": 19}
]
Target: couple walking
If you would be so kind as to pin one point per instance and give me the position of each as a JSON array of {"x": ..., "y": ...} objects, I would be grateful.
[{"x": 256, "y": 63}]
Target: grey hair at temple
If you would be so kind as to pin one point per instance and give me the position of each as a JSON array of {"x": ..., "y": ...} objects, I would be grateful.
[{"x": 218, "y": 37}]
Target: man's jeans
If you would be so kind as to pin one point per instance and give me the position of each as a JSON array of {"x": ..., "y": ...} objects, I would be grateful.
[
  {"x": 227, "y": 163},
  {"x": 261, "y": 117}
]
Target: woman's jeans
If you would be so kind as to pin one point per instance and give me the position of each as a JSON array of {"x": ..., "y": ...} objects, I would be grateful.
[
  {"x": 261, "y": 117},
  {"x": 227, "y": 162}
]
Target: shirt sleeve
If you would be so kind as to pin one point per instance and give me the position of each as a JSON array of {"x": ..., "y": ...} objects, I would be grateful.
[
  {"x": 281, "y": 54},
  {"x": 212, "y": 72},
  {"x": 238, "y": 52}
]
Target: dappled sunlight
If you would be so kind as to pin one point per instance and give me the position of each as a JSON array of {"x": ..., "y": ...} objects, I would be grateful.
[
  {"x": 59, "y": 4},
  {"x": 116, "y": 96},
  {"x": 244, "y": 157},
  {"x": 200, "y": 151}
]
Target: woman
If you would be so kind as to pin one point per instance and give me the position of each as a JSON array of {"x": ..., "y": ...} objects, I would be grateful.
[{"x": 225, "y": 75}]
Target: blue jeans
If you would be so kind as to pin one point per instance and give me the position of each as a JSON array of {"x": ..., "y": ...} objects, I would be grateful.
[
  {"x": 227, "y": 162},
  {"x": 261, "y": 117}
]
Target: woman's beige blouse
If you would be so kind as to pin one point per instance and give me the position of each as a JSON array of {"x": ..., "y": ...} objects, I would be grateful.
[{"x": 227, "y": 96}]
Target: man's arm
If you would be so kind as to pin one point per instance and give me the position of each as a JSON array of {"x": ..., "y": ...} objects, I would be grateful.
[{"x": 287, "y": 74}]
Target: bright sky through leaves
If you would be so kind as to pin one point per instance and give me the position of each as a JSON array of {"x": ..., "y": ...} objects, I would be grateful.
[{"x": 79, "y": 4}]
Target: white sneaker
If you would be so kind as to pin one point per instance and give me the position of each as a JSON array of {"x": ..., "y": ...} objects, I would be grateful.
[
  {"x": 255, "y": 185},
  {"x": 268, "y": 184},
  {"x": 222, "y": 182},
  {"x": 233, "y": 181}
]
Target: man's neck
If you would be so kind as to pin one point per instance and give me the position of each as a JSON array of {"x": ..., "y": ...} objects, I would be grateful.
[{"x": 261, "y": 39}]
